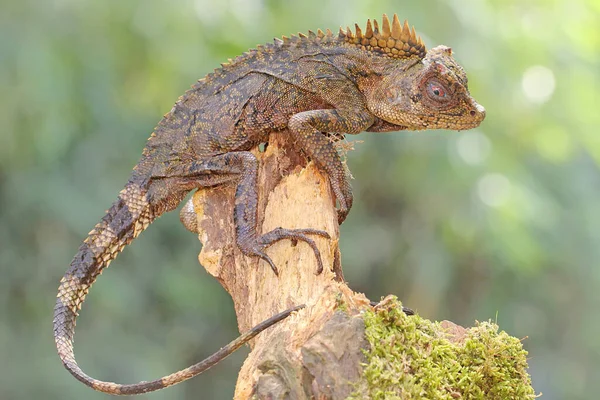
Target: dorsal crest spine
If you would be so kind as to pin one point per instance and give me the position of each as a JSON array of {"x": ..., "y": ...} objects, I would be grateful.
[{"x": 393, "y": 40}]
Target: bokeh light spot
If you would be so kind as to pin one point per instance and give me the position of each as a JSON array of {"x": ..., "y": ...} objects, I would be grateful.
[
  {"x": 493, "y": 189},
  {"x": 473, "y": 147},
  {"x": 538, "y": 84}
]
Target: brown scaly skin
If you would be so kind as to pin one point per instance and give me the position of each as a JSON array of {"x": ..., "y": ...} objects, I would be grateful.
[{"x": 380, "y": 80}]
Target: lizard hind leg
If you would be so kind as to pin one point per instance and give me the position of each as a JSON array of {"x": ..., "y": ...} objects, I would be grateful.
[
  {"x": 241, "y": 167},
  {"x": 188, "y": 217},
  {"x": 249, "y": 241}
]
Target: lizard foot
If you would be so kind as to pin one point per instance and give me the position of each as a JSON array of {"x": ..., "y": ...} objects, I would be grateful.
[
  {"x": 278, "y": 234},
  {"x": 344, "y": 197},
  {"x": 342, "y": 213}
]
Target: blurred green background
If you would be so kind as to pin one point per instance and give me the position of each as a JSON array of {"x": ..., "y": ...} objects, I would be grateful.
[{"x": 496, "y": 223}]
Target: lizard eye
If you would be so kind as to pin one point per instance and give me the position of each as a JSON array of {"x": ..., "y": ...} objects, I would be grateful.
[{"x": 437, "y": 91}]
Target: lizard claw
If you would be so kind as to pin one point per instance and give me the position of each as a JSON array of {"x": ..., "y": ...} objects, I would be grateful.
[
  {"x": 278, "y": 234},
  {"x": 342, "y": 213},
  {"x": 343, "y": 195},
  {"x": 266, "y": 258}
]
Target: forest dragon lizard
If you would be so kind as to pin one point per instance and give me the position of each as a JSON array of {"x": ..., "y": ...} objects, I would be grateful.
[{"x": 377, "y": 80}]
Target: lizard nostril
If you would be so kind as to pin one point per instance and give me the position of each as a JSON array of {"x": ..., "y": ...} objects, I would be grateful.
[{"x": 473, "y": 113}]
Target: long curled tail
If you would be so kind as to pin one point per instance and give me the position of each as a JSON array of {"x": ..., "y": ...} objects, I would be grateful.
[{"x": 123, "y": 222}]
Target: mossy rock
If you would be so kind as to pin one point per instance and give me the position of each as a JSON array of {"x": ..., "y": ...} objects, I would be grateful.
[{"x": 413, "y": 358}]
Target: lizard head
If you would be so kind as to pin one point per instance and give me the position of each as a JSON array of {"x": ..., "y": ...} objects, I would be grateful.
[{"x": 427, "y": 93}]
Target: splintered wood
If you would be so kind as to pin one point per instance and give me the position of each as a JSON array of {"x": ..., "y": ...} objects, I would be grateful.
[{"x": 292, "y": 195}]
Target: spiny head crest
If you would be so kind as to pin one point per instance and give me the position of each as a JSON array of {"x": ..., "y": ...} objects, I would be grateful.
[{"x": 393, "y": 40}]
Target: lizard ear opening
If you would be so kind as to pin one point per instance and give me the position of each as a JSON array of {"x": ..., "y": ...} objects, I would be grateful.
[{"x": 392, "y": 40}]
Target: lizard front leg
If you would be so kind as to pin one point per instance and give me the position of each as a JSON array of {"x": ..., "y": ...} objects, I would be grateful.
[
  {"x": 308, "y": 127},
  {"x": 242, "y": 167}
]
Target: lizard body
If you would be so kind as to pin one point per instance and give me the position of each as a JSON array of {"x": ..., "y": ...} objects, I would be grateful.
[{"x": 308, "y": 85}]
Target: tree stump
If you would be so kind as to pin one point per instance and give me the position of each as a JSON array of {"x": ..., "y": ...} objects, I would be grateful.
[{"x": 321, "y": 351}]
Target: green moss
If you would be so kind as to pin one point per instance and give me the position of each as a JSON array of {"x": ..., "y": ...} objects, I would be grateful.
[
  {"x": 340, "y": 304},
  {"x": 413, "y": 358}
]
